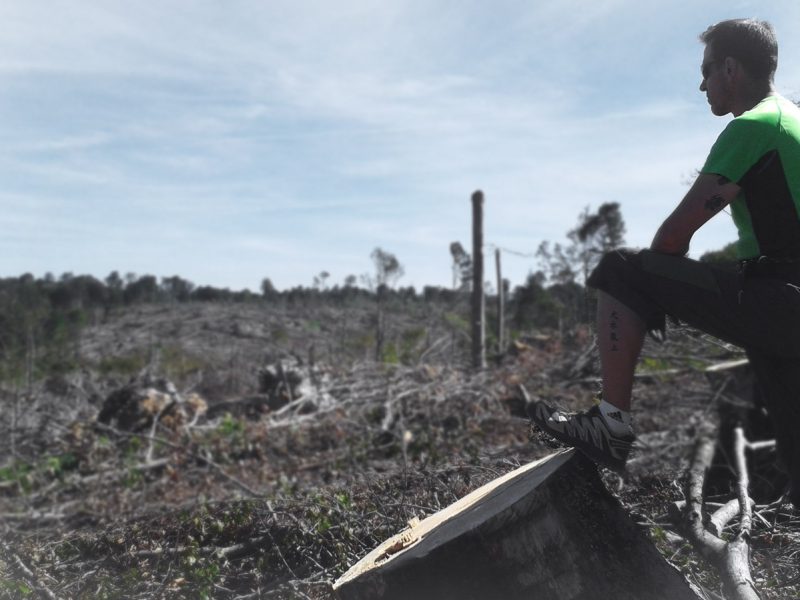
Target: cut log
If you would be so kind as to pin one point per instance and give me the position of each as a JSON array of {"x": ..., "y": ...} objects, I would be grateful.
[{"x": 549, "y": 530}]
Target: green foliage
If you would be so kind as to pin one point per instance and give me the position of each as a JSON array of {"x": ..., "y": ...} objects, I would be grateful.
[
  {"x": 658, "y": 534},
  {"x": 30, "y": 475},
  {"x": 457, "y": 322},
  {"x": 410, "y": 340},
  {"x": 41, "y": 320},
  {"x": 230, "y": 427},
  {"x": 15, "y": 589},
  {"x": 132, "y": 448},
  {"x": 58, "y": 465},
  {"x": 359, "y": 344},
  {"x": 19, "y": 472},
  {"x": 390, "y": 355},
  {"x": 133, "y": 478},
  {"x": 344, "y": 499},
  {"x": 555, "y": 296},
  {"x": 178, "y": 364},
  {"x": 652, "y": 364},
  {"x": 534, "y": 306},
  {"x": 203, "y": 572},
  {"x": 124, "y": 365},
  {"x": 279, "y": 334}
]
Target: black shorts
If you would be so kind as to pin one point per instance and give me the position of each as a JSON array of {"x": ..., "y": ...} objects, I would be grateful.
[{"x": 757, "y": 309}]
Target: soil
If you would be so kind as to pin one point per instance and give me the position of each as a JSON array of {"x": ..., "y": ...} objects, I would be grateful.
[{"x": 279, "y": 503}]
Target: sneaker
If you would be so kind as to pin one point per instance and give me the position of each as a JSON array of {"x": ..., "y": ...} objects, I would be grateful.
[{"x": 586, "y": 431}]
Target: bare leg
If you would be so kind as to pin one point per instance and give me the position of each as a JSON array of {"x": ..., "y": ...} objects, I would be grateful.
[{"x": 620, "y": 335}]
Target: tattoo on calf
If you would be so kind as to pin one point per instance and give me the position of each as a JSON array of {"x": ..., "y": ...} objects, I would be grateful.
[
  {"x": 614, "y": 325},
  {"x": 714, "y": 203}
]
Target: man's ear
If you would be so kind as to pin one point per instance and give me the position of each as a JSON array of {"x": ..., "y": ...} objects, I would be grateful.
[{"x": 731, "y": 67}]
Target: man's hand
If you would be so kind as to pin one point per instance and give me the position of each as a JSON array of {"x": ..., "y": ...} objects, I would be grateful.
[{"x": 708, "y": 195}]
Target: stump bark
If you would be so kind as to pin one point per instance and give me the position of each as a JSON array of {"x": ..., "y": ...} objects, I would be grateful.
[{"x": 549, "y": 530}]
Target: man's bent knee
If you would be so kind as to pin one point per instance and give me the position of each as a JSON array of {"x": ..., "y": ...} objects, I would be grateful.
[
  {"x": 613, "y": 265},
  {"x": 620, "y": 275}
]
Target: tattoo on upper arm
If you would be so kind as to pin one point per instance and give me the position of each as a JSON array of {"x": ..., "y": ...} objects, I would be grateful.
[
  {"x": 714, "y": 203},
  {"x": 722, "y": 180}
]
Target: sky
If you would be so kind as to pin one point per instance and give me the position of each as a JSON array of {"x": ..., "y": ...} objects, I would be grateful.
[{"x": 231, "y": 141}]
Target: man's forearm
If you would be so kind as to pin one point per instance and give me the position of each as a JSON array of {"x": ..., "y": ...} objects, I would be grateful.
[
  {"x": 708, "y": 195},
  {"x": 668, "y": 240}
]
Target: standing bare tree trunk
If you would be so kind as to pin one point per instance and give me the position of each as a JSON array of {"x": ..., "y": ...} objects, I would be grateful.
[
  {"x": 380, "y": 325},
  {"x": 30, "y": 359},
  {"x": 387, "y": 270},
  {"x": 501, "y": 304},
  {"x": 478, "y": 299}
]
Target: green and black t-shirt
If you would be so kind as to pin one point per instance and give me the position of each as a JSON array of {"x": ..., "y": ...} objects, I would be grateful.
[{"x": 760, "y": 151}]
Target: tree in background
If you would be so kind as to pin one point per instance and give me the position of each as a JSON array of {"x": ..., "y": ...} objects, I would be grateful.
[
  {"x": 267, "y": 289},
  {"x": 387, "y": 271},
  {"x": 557, "y": 263},
  {"x": 558, "y": 289},
  {"x": 114, "y": 285},
  {"x": 596, "y": 234},
  {"x": 462, "y": 267},
  {"x": 321, "y": 281},
  {"x": 176, "y": 288},
  {"x": 534, "y": 306},
  {"x": 143, "y": 289}
]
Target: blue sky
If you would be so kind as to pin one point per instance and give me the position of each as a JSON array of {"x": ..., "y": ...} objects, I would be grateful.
[{"x": 230, "y": 141}]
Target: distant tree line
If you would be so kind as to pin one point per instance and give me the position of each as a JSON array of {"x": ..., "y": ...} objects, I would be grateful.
[{"x": 41, "y": 318}]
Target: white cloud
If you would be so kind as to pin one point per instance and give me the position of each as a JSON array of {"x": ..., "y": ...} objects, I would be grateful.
[{"x": 231, "y": 132}]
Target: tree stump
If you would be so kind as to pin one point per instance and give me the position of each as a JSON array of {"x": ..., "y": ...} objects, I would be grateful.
[{"x": 549, "y": 530}]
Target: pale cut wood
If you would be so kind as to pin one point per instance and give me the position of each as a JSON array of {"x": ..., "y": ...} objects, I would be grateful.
[{"x": 548, "y": 530}]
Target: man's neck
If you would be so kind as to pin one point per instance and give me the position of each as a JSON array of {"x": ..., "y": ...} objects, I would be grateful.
[{"x": 750, "y": 97}]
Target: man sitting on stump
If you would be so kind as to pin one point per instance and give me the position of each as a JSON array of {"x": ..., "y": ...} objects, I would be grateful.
[{"x": 755, "y": 167}]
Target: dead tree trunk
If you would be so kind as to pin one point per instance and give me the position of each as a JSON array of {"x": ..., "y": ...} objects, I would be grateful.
[
  {"x": 478, "y": 299},
  {"x": 380, "y": 325},
  {"x": 549, "y": 530},
  {"x": 501, "y": 304}
]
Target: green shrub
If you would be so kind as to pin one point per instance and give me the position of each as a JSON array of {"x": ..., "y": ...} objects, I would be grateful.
[{"x": 126, "y": 365}]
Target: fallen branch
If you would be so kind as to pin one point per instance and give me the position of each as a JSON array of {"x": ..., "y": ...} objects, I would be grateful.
[
  {"x": 732, "y": 558},
  {"x": 709, "y": 545},
  {"x": 737, "y": 559},
  {"x": 724, "y": 515}
]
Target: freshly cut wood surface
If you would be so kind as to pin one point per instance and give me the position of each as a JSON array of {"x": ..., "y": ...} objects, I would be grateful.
[{"x": 548, "y": 530}]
